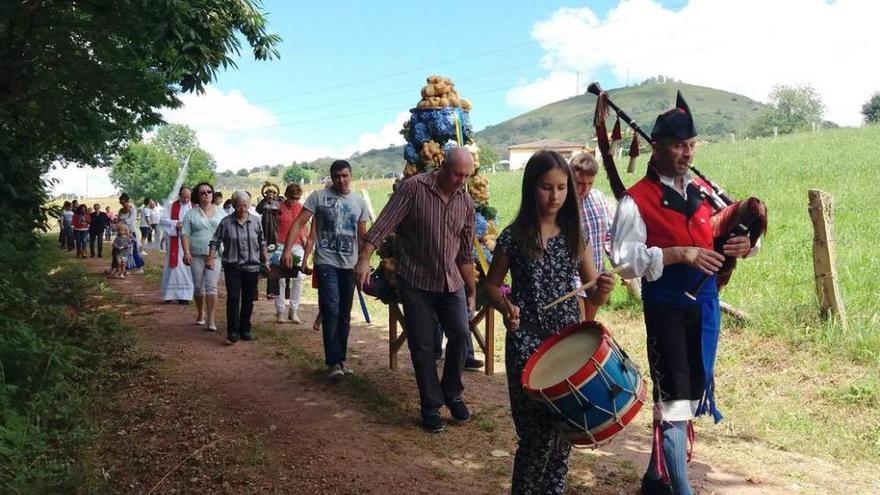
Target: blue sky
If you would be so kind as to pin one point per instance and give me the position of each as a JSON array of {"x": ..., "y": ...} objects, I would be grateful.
[{"x": 350, "y": 71}]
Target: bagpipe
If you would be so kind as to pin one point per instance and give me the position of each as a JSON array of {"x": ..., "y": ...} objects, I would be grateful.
[{"x": 732, "y": 218}]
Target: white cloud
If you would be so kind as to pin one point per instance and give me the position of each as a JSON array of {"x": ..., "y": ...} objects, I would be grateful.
[
  {"x": 83, "y": 181},
  {"x": 237, "y": 133},
  {"x": 389, "y": 135},
  {"x": 556, "y": 86},
  {"x": 747, "y": 46}
]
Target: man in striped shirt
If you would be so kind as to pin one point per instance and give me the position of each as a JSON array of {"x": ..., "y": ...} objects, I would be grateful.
[{"x": 433, "y": 217}]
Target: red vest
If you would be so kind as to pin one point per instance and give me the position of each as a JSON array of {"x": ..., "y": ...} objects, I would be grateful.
[{"x": 670, "y": 219}]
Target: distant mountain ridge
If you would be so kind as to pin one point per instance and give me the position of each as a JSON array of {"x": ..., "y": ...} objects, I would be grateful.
[{"x": 716, "y": 113}]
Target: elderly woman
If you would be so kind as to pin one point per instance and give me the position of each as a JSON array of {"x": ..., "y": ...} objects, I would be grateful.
[
  {"x": 198, "y": 228},
  {"x": 288, "y": 211},
  {"x": 244, "y": 253}
]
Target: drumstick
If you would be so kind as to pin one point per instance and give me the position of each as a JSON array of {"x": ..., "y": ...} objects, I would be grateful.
[{"x": 583, "y": 287}]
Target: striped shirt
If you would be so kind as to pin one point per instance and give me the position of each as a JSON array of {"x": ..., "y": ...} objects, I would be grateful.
[
  {"x": 433, "y": 236},
  {"x": 243, "y": 243},
  {"x": 595, "y": 221}
]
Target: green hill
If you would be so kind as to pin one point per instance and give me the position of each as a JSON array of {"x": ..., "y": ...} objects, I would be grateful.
[{"x": 716, "y": 112}]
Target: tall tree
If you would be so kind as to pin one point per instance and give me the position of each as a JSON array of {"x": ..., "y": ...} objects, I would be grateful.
[
  {"x": 145, "y": 170},
  {"x": 177, "y": 140},
  {"x": 871, "y": 109},
  {"x": 791, "y": 109},
  {"x": 78, "y": 80}
]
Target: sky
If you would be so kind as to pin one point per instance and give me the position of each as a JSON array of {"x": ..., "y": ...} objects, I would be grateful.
[{"x": 349, "y": 71}]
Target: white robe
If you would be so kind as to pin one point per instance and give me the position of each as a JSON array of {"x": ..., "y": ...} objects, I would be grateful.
[{"x": 177, "y": 282}]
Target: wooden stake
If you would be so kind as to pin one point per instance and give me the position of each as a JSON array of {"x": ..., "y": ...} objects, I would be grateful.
[{"x": 825, "y": 256}]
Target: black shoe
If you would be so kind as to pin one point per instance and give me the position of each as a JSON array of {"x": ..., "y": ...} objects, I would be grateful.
[
  {"x": 473, "y": 364},
  {"x": 248, "y": 337},
  {"x": 432, "y": 423},
  {"x": 655, "y": 487},
  {"x": 182, "y": 302},
  {"x": 459, "y": 409},
  {"x": 231, "y": 338}
]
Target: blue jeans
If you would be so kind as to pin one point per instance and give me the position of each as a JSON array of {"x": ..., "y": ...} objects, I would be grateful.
[
  {"x": 335, "y": 295},
  {"x": 81, "y": 237}
]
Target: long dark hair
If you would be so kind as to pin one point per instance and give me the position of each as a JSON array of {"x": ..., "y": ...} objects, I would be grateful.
[{"x": 526, "y": 228}]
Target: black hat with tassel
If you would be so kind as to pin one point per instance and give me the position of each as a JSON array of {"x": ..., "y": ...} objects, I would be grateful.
[{"x": 677, "y": 123}]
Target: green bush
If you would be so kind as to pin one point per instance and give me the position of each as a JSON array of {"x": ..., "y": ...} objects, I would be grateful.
[{"x": 52, "y": 350}]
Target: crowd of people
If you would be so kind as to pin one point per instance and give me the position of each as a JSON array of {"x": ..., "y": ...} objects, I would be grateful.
[{"x": 561, "y": 237}]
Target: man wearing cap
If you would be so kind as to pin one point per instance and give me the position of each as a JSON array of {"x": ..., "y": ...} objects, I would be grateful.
[{"x": 662, "y": 229}]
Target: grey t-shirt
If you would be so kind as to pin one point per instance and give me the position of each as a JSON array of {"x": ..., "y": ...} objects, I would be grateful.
[{"x": 336, "y": 216}]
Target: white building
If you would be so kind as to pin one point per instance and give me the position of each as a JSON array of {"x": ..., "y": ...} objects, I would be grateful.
[{"x": 520, "y": 153}]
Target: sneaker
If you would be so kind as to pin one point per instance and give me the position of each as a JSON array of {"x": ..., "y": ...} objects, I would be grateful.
[
  {"x": 346, "y": 368},
  {"x": 458, "y": 409},
  {"x": 248, "y": 337},
  {"x": 279, "y": 317},
  {"x": 432, "y": 423},
  {"x": 334, "y": 372},
  {"x": 231, "y": 338},
  {"x": 473, "y": 364},
  {"x": 293, "y": 316}
]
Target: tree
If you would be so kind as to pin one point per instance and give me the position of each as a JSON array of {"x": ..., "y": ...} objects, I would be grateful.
[
  {"x": 177, "y": 140},
  {"x": 145, "y": 170},
  {"x": 296, "y": 174},
  {"x": 80, "y": 80},
  {"x": 227, "y": 173},
  {"x": 242, "y": 172},
  {"x": 791, "y": 109},
  {"x": 488, "y": 156},
  {"x": 871, "y": 109}
]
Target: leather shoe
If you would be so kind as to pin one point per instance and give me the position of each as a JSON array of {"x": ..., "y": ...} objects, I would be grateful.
[
  {"x": 432, "y": 423},
  {"x": 458, "y": 409}
]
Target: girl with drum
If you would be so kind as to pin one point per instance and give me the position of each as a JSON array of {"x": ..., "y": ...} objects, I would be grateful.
[{"x": 544, "y": 249}]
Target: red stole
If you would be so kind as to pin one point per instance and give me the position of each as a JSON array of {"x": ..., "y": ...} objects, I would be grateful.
[{"x": 175, "y": 240}]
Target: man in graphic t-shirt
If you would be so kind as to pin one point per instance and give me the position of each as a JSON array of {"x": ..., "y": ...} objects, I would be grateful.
[{"x": 340, "y": 223}]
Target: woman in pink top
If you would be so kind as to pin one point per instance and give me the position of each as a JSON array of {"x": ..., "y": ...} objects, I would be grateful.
[
  {"x": 289, "y": 210},
  {"x": 81, "y": 221}
]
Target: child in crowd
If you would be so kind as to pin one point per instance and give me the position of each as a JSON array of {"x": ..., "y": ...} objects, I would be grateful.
[
  {"x": 121, "y": 249},
  {"x": 544, "y": 249}
]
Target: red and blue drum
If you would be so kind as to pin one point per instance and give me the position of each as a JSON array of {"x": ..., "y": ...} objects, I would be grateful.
[{"x": 585, "y": 378}]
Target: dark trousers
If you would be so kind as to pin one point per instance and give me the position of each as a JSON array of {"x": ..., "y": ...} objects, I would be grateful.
[
  {"x": 335, "y": 295},
  {"x": 272, "y": 287},
  {"x": 146, "y": 235},
  {"x": 438, "y": 344},
  {"x": 96, "y": 237},
  {"x": 241, "y": 289},
  {"x": 419, "y": 308}
]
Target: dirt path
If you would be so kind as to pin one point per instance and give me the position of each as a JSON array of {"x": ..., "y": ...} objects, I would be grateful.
[{"x": 259, "y": 417}]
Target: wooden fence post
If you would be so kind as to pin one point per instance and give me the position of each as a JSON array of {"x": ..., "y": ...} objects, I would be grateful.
[{"x": 825, "y": 256}]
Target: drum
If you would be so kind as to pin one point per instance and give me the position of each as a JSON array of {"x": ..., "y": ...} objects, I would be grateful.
[{"x": 585, "y": 378}]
